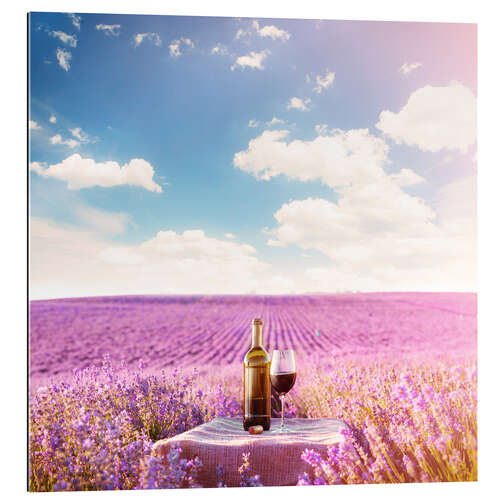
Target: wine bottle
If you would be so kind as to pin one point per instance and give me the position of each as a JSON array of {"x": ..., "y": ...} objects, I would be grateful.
[{"x": 257, "y": 382}]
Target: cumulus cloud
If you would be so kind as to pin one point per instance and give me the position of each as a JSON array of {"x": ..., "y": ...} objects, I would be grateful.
[
  {"x": 37, "y": 167},
  {"x": 438, "y": 257},
  {"x": 175, "y": 46},
  {"x": 409, "y": 67},
  {"x": 76, "y": 20},
  {"x": 350, "y": 230},
  {"x": 65, "y": 38},
  {"x": 66, "y": 261},
  {"x": 82, "y": 136},
  {"x": 297, "y": 103},
  {"x": 252, "y": 60},
  {"x": 270, "y": 31},
  {"x": 138, "y": 38},
  {"x": 275, "y": 121},
  {"x": 376, "y": 235},
  {"x": 406, "y": 177},
  {"x": 109, "y": 29},
  {"x": 52, "y": 119},
  {"x": 434, "y": 118},
  {"x": 253, "y": 123},
  {"x": 219, "y": 50},
  {"x": 230, "y": 236},
  {"x": 240, "y": 34},
  {"x": 336, "y": 160},
  {"x": 322, "y": 83},
  {"x": 57, "y": 139},
  {"x": 34, "y": 125},
  {"x": 321, "y": 129},
  {"x": 63, "y": 58},
  {"x": 379, "y": 238},
  {"x": 80, "y": 173}
]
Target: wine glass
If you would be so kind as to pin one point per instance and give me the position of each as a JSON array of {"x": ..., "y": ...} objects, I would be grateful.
[{"x": 283, "y": 376}]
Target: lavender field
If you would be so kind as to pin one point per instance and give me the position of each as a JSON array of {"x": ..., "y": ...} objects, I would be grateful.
[{"x": 109, "y": 376}]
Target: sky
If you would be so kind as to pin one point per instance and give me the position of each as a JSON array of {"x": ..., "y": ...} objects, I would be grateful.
[{"x": 174, "y": 154}]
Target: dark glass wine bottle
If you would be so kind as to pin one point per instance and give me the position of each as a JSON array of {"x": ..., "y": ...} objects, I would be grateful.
[{"x": 257, "y": 382}]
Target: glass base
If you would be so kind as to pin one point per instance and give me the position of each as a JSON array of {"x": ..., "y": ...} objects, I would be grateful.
[{"x": 281, "y": 430}]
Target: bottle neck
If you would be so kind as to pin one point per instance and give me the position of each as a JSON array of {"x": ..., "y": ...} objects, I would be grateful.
[{"x": 256, "y": 335}]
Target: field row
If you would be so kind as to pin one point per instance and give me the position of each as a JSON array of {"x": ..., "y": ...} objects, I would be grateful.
[{"x": 215, "y": 330}]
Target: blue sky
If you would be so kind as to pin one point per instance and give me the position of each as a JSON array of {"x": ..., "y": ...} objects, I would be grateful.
[{"x": 309, "y": 203}]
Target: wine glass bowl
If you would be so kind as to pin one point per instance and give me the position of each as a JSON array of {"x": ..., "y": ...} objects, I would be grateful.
[{"x": 283, "y": 375}]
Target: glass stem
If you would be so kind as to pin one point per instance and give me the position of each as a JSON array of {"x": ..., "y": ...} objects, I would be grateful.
[{"x": 282, "y": 397}]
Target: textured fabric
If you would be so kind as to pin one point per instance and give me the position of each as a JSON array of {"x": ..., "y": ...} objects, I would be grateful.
[{"x": 276, "y": 457}]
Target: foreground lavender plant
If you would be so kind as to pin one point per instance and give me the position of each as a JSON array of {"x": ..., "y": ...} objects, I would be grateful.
[
  {"x": 97, "y": 432},
  {"x": 244, "y": 470},
  {"x": 417, "y": 426},
  {"x": 179, "y": 473}
]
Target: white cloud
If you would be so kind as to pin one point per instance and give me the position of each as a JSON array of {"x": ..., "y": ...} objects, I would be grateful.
[
  {"x": 81, "y": 135},
  {"x": 230, "y": 236},
  {"x": 271, "y": 31},
  {"x": 377, "y": 236},
  {"x": 57, "y": 139},
  {"x": 434, "y": 118},
  {"x": 175, "y": 46},
  {"x": 337, "y": 159},
  {"x": 52, "y": 119},
  {"x": 34, "y": 125},
  {"x": 65, "y": 38},
  {"x": 69, "y": 262},
  {"x": 406, "y": 177},
  {"x": 37, "y": 167},
  {"x": 63, "y": 58},
  {"x": 153, "y": 37},
  {"x": 321, "y": 129},
  {"x": 253, "y": 123},
  {"x": 109, "y": 29},
  {"x": 81, "y": 173},
  {"x": 240, "y": 34},
  {"x": 274, "y": 121},
  {"x": 322, "y": 83},
  {"x": 219, "y": 50},
  {"x": 252, "y": 60},
  {"x": 349, "y": 231},
  {"x": 409, "y": 67},
  {"x": 297, "y": 103},
  {"x": 76, "y": 20}
]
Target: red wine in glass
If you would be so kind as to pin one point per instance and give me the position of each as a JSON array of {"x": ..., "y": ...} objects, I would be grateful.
[{"x": 283, "y": 382}]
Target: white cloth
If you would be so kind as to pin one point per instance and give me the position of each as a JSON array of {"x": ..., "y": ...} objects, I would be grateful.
[{"x": 274, "y": 456}]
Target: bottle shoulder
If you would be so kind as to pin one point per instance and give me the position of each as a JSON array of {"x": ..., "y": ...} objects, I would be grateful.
[{"x": 256, "y": 356}]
